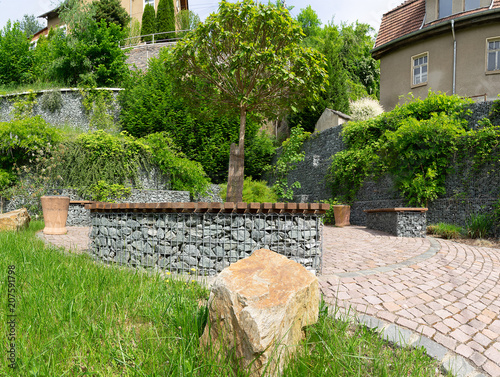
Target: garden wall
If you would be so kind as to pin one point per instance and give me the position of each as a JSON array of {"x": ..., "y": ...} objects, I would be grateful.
[
  {"x": 204, "y": 237},
  {"x": 70, "y": 112},
  {"x": 467, "y": 191}
]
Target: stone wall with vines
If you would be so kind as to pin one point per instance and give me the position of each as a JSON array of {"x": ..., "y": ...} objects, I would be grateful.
[
  {"x": 468, "y": 188},
  {"x": 74, "y": 107}
]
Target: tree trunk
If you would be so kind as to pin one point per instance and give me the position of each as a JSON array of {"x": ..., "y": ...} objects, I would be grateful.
[{"x": 237, "y": 164}]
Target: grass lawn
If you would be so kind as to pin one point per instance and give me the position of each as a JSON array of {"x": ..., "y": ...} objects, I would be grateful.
[{"x": 78, "y": 318}]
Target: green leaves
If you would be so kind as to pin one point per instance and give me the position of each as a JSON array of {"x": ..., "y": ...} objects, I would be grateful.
[
  {"x": 291, "y": 154},
  {"x": 249, "y": 56},
  {"x": 415, "y": 143}
]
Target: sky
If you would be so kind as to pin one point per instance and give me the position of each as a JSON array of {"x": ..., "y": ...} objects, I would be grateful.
[{"x": 365, "y": 11}]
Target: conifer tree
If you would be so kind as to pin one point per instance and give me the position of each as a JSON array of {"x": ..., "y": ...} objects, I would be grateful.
[
  {"x": 165, "y": 19},
  {"x": 148, "y": 22}
]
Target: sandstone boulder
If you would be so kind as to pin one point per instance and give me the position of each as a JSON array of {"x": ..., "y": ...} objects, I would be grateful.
[
  {"x": 15, "y": 220},
  {"x": 257, "y": 309}
]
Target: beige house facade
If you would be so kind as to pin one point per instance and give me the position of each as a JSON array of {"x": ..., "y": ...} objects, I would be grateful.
[
  {"x": 452, "y": 46},
  {"x": 135, "y": 9}
]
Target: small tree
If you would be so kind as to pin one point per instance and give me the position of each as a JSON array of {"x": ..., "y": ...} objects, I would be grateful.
[
  {"x": 186, "y": 20},
  {"x": 111, "y": 11},
  {"x": 15, "y": 55},
  {"x": 148, "y": 22},
  {"x": 165, "y": 19},
  {"x": 247, "y": 58}
]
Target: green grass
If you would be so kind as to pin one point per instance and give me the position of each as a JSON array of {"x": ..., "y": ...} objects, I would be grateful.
[
  {"x": 34, "y": 87},
  {"x": 448, "y": 231},
  {"x": 80, "y": 318}
]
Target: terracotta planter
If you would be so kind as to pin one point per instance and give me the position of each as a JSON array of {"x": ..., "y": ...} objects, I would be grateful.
[
  {"x": 55, "y": 214},
  {"x": 342, "y": 215}
]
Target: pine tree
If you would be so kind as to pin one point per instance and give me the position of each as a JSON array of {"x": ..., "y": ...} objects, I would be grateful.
[
  {"x": 111, "y": 11},
  {"x": 148, "y": 22},
  {"x": 165, "y": 19}
]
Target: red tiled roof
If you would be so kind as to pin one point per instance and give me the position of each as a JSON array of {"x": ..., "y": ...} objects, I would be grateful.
[
  {"x": 409, "y": 16},
  {"x": 400, "y": 21}
]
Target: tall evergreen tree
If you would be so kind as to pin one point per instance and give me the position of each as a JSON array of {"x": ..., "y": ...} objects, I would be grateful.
[
  {"x": 165, "y": 19},
  {"x": 148, "y": 22},
  {"x": 111, "y": 11}
]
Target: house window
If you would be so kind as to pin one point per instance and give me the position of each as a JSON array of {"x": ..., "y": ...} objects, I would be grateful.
[
  {"x": 493, "y": 54},
  {"x": 472, "y": 4},
  {"x": 445, "y": 8},
  {"x": 150, "y": 2},
  {"x": 419, "y": 69}
]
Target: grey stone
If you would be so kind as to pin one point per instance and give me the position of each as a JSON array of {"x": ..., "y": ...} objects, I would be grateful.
[
  {"x": 206, "y": 262},
  {"x": 432, "y": 348},
  {"x": 191, "y": 250},
  {"x": 133, "y": 224},
  {"x": 137, "y": 235},
  {"x": 457, "y": 366}
]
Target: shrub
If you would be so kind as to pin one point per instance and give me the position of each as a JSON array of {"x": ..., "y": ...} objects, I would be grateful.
[
  {"x": 415, "y": 143},
  {"x": 448, "y": 231},
  {"x": 51, "y": 101},
  {"x": 98, "y": 156},
  {"x": 253, "y": 192},
  {"x": 15, "y": 55},
  {"x": 104, "y": 192},
  {"x": 21, "y": 139},
  {"x": 480, "y": 225},
  {"x": 365, "y": 108},
  {"x": 291, "y": 154},
  {"x": 165, "y": 19},
  {"x": 184, "y": 173},
  {"x": 148, "y": 23}
]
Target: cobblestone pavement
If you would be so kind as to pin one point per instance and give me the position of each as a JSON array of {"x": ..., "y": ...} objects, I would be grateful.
[
  {"x": 445, "y": 291},
  {"x": 448, "y": 292},
  {"x": 77, "y": 238}
]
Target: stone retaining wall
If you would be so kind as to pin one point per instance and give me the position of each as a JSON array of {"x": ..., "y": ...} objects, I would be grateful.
[
  {"x": 204, "y": 237},
  {"x": 467, "y": 191},
  {"x": 71, "y": 111}
]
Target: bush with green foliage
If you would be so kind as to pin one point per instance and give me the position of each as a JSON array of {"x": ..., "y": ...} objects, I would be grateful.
[
  {"x": 16, "y": 59},
  {"x": 51, "y": 101},
  {"x": 99, "y": 156},
  {"x": 20, "y": 140},
  {"x": 89, "y": 55},
  {"x": 165, "y": 19},
  {"x": 480, "y": 225},
  {"x": 186, "y": 20},
  {"x": 184, "y": 173},
  {"x": 291, "y": 154},
  {"x": 253, "y": 192},
  {"x": 148, "y": 25},
  {"x": 415, "y": 143},
  {"x": 149, "y": 105},
  {"x": 103, "y": 191},
  {"x": 111, "y": 11}
]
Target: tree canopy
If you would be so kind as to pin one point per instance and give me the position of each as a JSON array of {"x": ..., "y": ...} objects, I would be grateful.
[
  {"x": 247, "y": 58},
  {"x": 111, "y": 11},
  {"x": 148, "y": 25}
]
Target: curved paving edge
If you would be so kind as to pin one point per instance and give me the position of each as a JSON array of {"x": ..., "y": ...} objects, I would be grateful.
[
  {"x": 401, "y": 337},
  {"x": 431, "y": 251}
]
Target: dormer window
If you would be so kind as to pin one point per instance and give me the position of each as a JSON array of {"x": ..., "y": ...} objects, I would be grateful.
[{"x": 445, "y": 8}]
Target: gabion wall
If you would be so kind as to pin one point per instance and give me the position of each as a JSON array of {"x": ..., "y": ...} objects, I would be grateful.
[
  {"x": 400, "y": 224},
  {"x": 202, "y": 242}
]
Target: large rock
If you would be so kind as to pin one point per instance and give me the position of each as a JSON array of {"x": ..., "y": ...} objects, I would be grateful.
[
  {"x": 257, "y": 309},
  {"x": 15, "y": 220}
]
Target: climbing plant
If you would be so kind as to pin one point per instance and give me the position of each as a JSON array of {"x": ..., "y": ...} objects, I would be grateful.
[
  {"x": 416, "y": 143},
  {"x": 291, "y": 154}
]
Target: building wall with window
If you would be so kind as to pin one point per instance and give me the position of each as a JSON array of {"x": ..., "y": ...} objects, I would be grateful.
[
  {"x": 419, "y": 52},
  {"x": 398, "y": 72}
]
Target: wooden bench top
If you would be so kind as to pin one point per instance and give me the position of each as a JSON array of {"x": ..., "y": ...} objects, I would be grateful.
[
  {"x": 401, "y": 209},
  {"x": 81, "y": 202}
]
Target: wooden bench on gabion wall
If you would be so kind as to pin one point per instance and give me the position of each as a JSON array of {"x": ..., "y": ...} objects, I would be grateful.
[
  {"x": 401, "y": 222},
  {"x": 204, "y": 237}
]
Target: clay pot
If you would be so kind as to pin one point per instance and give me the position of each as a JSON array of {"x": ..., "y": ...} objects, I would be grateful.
[
  {"x": 55, "y": 213},
  {"x": 342, "y": 215}
]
